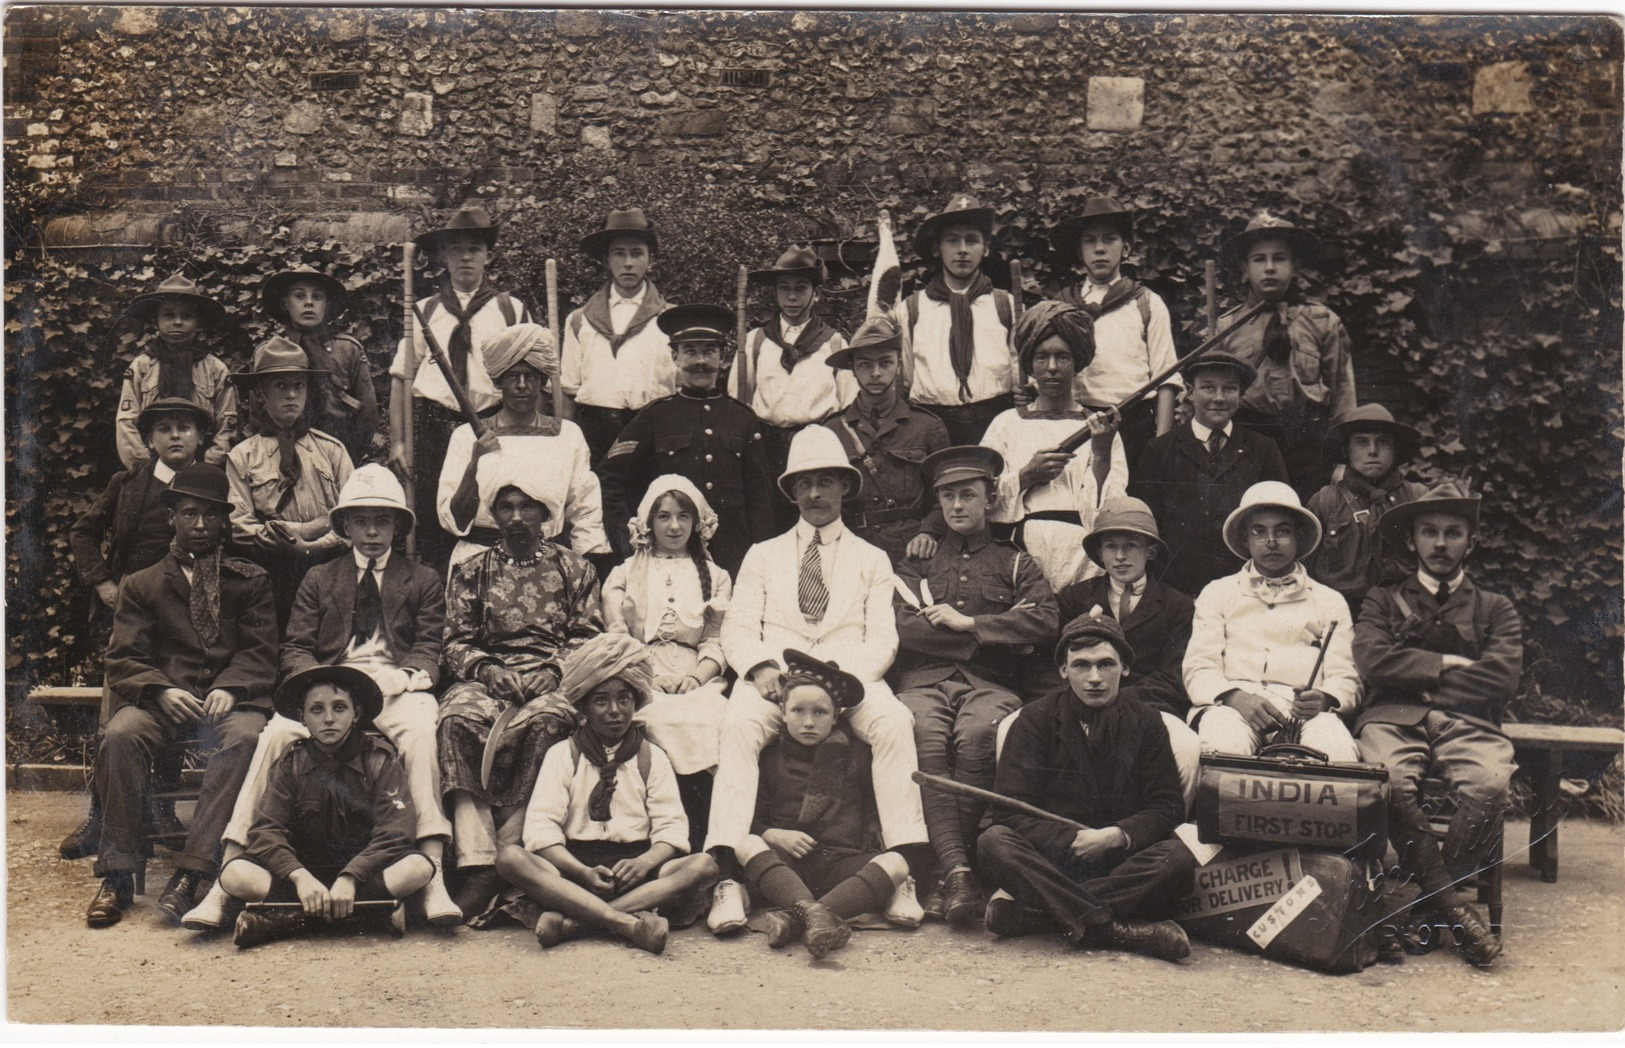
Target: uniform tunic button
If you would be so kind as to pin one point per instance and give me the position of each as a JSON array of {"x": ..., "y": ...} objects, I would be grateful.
[
  {"x": 708, "y": 485},
  {"x": 960, "y": 603},
  {"x": 708, "y": 407},
  {"x": 964, "y": 556},
  {"x": 708, "y": 433},
  {"x": 963, "y": 579},
  {"x": 708, "y": 458}
]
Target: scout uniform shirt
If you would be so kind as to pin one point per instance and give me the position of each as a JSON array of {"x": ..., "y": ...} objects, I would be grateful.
[
  {"x": 889, "y": 449},
  {"x": 1134, "y": 340},
  {"x": 259, "y": 493},
  {"x": 211, "y": 390},
  {"x": 502, "y": 311},
  {"x": 1351, "y": 558},
  {"x": 807, "y": 392},
  {"x": 925, "y": 325},
  {"x": 595, "y": 371},
  {"x": 1319, "y": 369},
  {"x": 714, "y": 441}
]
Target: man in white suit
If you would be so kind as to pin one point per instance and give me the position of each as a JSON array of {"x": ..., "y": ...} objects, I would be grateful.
[{"x": 822, "y": 590}]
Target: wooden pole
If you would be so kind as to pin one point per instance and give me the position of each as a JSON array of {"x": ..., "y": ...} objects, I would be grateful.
[
  {"x": 1210, "y": 287},
  {"x": 555, "y": 329},
  {"x": 408, "y": 322},
  {"x": 743, "y": 360}
]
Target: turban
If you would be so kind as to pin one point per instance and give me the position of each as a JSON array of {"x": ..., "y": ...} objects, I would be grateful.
[
  {"x": 511, "y": 471},
  {"x": 521, "y": 344},
  {"x": 603, "y": 657},
  {"x": 638, "y": 525},
  {"x": 1048, "y": 318}
]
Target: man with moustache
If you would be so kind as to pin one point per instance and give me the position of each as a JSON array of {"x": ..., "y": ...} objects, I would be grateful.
[{"x": 700, "y": 433}]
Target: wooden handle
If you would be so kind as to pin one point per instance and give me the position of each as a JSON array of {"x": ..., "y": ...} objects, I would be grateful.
[
  {"x": 553, "y": 329},
  {"x": 1210, "y": 289},
  {"x": 937, "y": 782},
  {"x": 408, "y": 260},
  {"x": 742, "y": 357}
]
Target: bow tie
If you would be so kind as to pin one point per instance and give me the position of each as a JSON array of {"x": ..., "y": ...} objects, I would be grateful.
[{"x": 1280, "y": 585}]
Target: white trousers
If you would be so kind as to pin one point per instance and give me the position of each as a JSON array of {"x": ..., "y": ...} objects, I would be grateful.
[
  {"x": 1187, "y": 747},
  {"x": 482, "y": 829},
  {"x": 407, "y": 720},
  {"x": 1223, "y": 730},
  {"x": 879, "y": 720}
]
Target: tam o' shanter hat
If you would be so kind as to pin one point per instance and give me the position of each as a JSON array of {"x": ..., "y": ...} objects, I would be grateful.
[
  {"x": 841, "y": 686},
  {"x": 1093, "y": 625}
]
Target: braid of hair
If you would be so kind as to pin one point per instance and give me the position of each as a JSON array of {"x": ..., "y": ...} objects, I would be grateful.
[{"x": 702, "y": 564}]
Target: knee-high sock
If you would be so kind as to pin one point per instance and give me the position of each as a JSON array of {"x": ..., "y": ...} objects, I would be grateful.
[
  {"x": 867, "y": 891},
  {"x": 777, "y": 882}
]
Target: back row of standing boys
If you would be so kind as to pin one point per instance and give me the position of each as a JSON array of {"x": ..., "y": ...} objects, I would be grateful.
[{"x": 937, "y": 533}]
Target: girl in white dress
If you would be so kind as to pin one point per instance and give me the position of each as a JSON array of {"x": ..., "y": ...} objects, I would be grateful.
[{"x": 672, "y": 597}]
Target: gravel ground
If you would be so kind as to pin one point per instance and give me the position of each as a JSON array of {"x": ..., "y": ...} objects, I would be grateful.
[{"x": 1562, "y": 969}]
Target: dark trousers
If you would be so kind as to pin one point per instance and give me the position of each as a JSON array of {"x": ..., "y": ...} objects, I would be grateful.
[
  {"x": 776, "y": 444},
  {"x": 955, "y": 727},
  {"x": 432, "y": 426},
  {"x": 133, "y": 737},
  {"x": 1303, "y": 447},
  {"x": 1079, "y": 896},
  {"x": 288, "y": 570},
  {"x": 967, "y": 422},
  {"x": 1139, "y": 426},
  {"x": 601, "y": 426}
]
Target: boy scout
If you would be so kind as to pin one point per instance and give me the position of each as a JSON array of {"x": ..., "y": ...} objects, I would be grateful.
[
  {"x": 176, "y": 364},
  {"x": 887, "y": 440},
  {"x": 957, "y": 358},
  {"x": 307, "y": 304},
  {"x": 699, "y": 432},
  {"x": 982, "y": 607}
]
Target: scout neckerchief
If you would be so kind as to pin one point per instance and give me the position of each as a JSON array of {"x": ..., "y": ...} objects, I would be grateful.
[
  {"x": 595, "y": 751},
  {"x": 815, "y": 334},
  {"x": 462, "y": 336},
  {"x": 962, "y": 326},
  {"x": 205, "y": 601},
  {"x": 1120, "y": 293},
  {"x": 1277, "y": 346},
  {"x": 287, "y": 451},
  {"x": 333, "y": 810},
  {"x": 175, "y": 368},
  {"x": 596, "y": 312}
]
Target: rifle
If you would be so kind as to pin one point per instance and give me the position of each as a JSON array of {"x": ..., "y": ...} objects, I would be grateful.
[
  {"x": 1084, "y": 435},
  {"x": 436, "y": 354}
]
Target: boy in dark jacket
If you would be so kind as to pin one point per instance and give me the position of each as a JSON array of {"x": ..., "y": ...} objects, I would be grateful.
[
  {"x": 816, "y": 827},
  {"x": 308, "y": 304},
  {"x": 336, "y": 820}
]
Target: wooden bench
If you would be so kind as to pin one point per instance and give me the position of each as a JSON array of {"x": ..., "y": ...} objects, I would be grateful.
[
  {"x": 73, "y": 696},
  {"x": 1541, "y": 749}
]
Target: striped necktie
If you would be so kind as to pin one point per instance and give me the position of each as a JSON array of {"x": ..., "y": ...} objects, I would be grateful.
[{"x": 814, "y": 594}]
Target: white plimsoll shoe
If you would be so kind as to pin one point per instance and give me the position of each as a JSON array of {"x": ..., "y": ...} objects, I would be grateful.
[
  {"x": 729, "y": 904},
  {"x": 904, "y": 908},
  {"x": 438, "y": 906},
  {"x": 208, "y": 915}
]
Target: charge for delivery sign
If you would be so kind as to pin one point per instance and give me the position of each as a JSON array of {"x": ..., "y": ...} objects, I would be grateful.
[{"x": 1247, "y": 882}]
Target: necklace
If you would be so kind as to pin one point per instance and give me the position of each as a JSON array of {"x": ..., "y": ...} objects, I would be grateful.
[{"x": 523, "y": 562}]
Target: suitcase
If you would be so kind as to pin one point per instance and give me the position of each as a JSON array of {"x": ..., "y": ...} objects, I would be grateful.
[
  {"x": 1291, "y": 795},
  {"x": 1312, "y": 909}
]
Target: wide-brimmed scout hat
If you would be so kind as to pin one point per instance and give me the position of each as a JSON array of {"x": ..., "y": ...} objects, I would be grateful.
[
  {"x": 962, "y": 209},
  {"x": 796, "y": 262},
  {"x": 628, "y": 223},
  {"x": 276, "y": 287},
  {"x": 815, "y": 448},
  {"x": 1305, "y": 245},
  {"x": 801, "y": 668},
  {"x": 1218, "y": 358},
  {"x": 199, "y": 481},
  {"x": 1064, "y": 237},
  {"x": 696, "y": 322},
  {"x": 471, "y": 219},
  {"x": 173, "y": 406},
  {"x": 363, "y": 691},
  {"x": 371, "y": 487},
  {"x": 1124, "y": 516},
  {"x": 276, "y": 356},
  {"x": 1097, "y": 625},
  {"x": 177, "y": 289},
  {"x": 875, "y": 333},
  {"x": 963, "y": 462},
  {"x": 1271, "y": 494},
  {"x": 1445, "y": 497},
  {"x": 1371, "y": 418}
]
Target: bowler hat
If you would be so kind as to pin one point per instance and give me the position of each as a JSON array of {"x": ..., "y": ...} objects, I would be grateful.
[
  {"x": 963, "y": 462},
  {"x": 962, "y": 209},
  {"x": 1305, "y": 245},
  {"x": 1445, "y": 497},
  {"x": 1371, "y": 418},
  {"x": 1127, "y": 516},
  {"x": 845, "y": 689},
  {"x": 277, "y": 285},
  {"x": 878, "y": 332},
  {"x": 696, "y": 322},
  {"x": 1093, "y": 625},
  {"x": 796, "y": 262},
  {"x": 1065, "y": 235},
  {"x": 472, "y": 219},
  {"x": 628, "y": 223},
  {"x": 173, "y": 406},
  {"x": 1271, "y": 494},
  {"x": 817, "y": 448},
  {"x": 177, "y": 289},
  {"x": 363, "y": 691},
  {"x": 371, "y": 486},
  {"x": 1219, "y": 358},
  {"x": 199, "y": 481},
  {"x": 275, "y": 356}
]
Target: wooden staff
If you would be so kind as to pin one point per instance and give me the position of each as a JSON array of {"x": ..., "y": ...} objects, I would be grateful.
[
  {"x": 408, "y": 259},
  {"x": 361, "y": 905},
  {"x": 554, "y": 329},
  {"x": 1015, "y": 293},
  {"x": 937, "y": 782},
  {"x": 743, "y": 359},
  {"x": 1210, "y": 290},
  {"x": 1084, "y": 435}
]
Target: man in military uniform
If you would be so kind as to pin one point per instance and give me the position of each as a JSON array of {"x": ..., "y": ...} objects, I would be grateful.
[
  {"x": 698, "y": 432},
  {"x": 982, "y": 608},
  {"x": 887, "y": 440},
  {"x": 194, "y": 653}
]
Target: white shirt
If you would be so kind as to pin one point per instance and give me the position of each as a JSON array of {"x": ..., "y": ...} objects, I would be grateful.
[
  {"x": 928, "y": 364},
  {"x": 1130, "y": 347},
  {"x": 829, "y": 540},
  {"x": 162, "y": 473},
  {"x": 638, "y": 810},
  {"x": 1202, "y": 433},
  {"x": 812, "y": 392},
  {"x": 592, "y": 374},
  {"x": 623, "y": 308},
  {"x": 1136, "y": 591},
  {"x": 1431, "y": 584}
]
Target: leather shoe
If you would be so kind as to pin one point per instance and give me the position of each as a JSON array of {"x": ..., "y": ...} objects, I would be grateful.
[
  {"x": 1472, "y": 937},
  {"x": 729, "y": 904},
  {"x": 962, "y": 896},
  {"x": 1162, "y": 939},
  {"x": 212, "y": 913},
  {"x": 934, "y": 905},
  {"x": 783, "y": 928},
  {"x": 473, "y": 896},
  {"x": 825, "y": 932},
  {"x": 649, "y": 933},
  {"x": 176, "y": 901},
  {"x": 1006, "y": 918},
  {"x": 115, "y": 896},
  {"x": 553, "y": 928},
  {"x": 86, "y": 839},
  {"x": 904, "y": 909}
]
